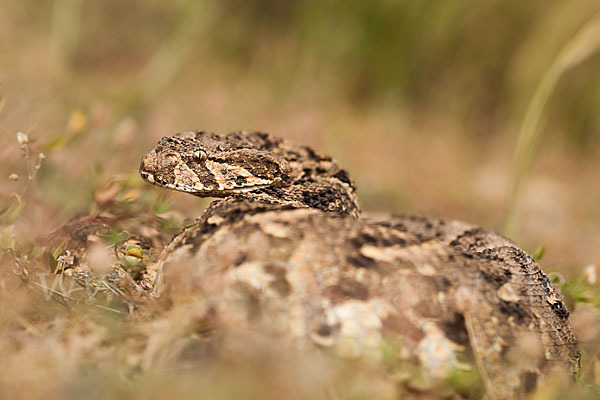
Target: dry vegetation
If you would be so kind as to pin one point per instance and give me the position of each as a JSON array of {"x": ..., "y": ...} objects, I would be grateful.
[{"x": 422, "y": 101}]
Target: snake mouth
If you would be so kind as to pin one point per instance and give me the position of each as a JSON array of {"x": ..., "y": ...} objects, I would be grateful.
[
  {"x": 200, "y": 191},
  {"x": 147, "y": 176}
]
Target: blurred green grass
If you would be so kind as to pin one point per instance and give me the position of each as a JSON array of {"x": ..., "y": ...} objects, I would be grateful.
[{"x": 423, "y": 101}]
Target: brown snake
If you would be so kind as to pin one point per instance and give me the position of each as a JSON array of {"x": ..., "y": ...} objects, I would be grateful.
[{"x": 286, "y": 236}]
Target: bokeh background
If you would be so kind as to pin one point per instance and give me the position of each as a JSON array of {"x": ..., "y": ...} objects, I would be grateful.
[{"x": 423, "y": 102}]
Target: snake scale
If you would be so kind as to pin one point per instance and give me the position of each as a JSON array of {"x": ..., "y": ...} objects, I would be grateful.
[{"x": 286, "y": 236}]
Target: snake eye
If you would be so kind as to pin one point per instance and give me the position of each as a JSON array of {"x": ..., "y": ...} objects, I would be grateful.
[{"x": 200, "y": 155}]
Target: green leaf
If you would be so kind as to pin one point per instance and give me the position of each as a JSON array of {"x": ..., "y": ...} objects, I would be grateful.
[
  {"x": 538, "y": 253},
  {"x": 162, "y": 207},
  {"x": 114, "y": 236},
  {"x": 57, "y": 252},
  {"x": 133, "y": 254},
  {"x": 170, "y": 225},
  {"x": 52, "y": 263},
  {"x": 57, "y": 142},
  {"x": 12, "y": 212},
  {"x": 467, "y": 382}
]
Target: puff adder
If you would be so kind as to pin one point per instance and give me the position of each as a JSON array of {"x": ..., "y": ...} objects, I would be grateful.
[{"x": 286, "y": 237}]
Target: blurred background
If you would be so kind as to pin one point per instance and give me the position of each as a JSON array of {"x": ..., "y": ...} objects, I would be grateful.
[{"x": 422, "y": 101}]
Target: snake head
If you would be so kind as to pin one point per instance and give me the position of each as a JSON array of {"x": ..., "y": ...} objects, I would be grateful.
[{"x": 210, "y": 165}]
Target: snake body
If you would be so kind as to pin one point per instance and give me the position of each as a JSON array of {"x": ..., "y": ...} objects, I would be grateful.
[{"x": 286, "y": 237}]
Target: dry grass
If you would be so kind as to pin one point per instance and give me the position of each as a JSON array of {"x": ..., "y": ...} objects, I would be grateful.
[{"x": 584, "y": 45}]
